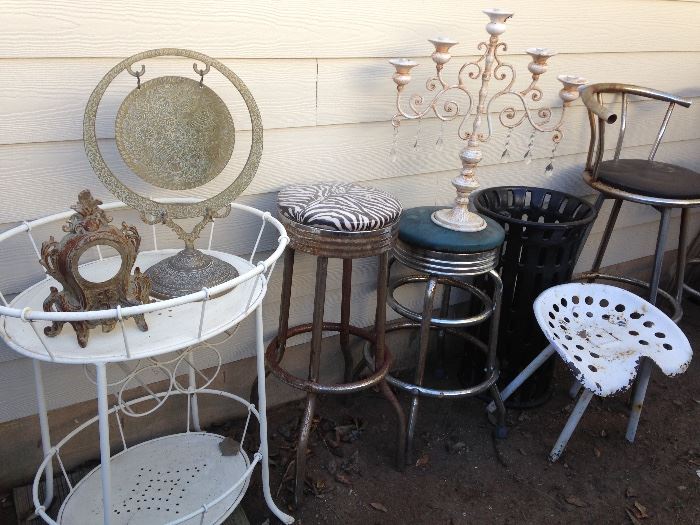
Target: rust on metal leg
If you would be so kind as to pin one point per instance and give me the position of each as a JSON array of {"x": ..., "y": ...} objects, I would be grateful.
[
  {"x": 302, "y": 445},
  {"x": 381, "y": 357},
  {"x": 492, "y": 360},
  {"x": 345, "y": 318},
  {"x": 314, "y": 367},
  {"x": 285, "y": 302}
]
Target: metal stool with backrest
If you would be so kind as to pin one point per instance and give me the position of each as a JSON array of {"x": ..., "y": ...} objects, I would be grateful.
[{"x": 646, "y": 181}]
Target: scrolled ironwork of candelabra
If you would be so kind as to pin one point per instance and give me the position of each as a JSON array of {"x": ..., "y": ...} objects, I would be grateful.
[{"x": 446, "y": 109}]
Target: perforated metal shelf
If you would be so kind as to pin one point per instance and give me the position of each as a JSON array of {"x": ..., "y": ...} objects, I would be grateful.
[{"x": 161, "y": 481}]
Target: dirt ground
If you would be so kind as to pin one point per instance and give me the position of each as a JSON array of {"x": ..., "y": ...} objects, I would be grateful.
[{"x": 459, "y": 474}]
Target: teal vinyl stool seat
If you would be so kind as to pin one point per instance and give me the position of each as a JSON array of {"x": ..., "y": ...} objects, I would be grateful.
[
  {"x": 449, "y": 259},
  {"x": 417, "y": 229}
]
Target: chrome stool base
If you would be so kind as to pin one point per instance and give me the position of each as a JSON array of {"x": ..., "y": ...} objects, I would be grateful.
[{"x": 426, "y": 322}]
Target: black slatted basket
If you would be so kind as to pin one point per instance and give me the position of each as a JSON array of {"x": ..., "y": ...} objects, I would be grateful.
[{"x": 545, "y": 230}]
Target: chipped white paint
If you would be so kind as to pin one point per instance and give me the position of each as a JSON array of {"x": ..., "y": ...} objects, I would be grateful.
[{"x": 602, "y": 332}]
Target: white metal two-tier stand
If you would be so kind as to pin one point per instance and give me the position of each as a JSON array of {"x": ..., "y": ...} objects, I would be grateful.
[{"x": 182, "y": 478}]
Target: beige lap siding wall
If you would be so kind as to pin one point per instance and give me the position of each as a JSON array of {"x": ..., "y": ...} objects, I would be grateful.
[{"x": 319, "y": 73}]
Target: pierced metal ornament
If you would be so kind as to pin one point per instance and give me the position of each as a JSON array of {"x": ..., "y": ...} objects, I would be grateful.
[
  {"x": 88, "y": 228},
  {"x": 176, "y": 133}
]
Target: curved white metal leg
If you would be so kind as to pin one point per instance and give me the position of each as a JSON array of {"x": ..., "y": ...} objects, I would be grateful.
[
  {"x": 571, "y": 424},
  {"x": 262, "y": 408},
  {"x": 103, "y": 415},
  {"x": 44, "y": 428}
]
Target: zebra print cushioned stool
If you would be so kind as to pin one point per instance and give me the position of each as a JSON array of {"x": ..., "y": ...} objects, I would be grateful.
[
  {"x": 346, "y": 221},
  {"x": 446, "y": 257}
]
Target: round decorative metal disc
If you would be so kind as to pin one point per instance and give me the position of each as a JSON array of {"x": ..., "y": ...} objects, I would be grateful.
[
  {"x": 174, "y": 133},
  {"x": 145, "y": 204}
]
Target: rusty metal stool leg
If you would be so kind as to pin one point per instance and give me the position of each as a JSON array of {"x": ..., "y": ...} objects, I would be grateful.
[
  {"x": 314, "y": 368},
  {"x": 345, "y": 318},
  {"x": 381, "y": 358},
  {"x": 335, "y": 221},
  {"x": 422, "y": 357}
]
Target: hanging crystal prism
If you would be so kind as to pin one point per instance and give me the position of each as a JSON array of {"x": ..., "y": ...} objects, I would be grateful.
[
  {"x": 530, "y": 146},
  {"x": 505, "y": 156},
  {"x": 415, "y": 144},
  {"x": 392, "y": 152},
  {"x": 549, "y": 170},
  {"x": 440, "y": 142}
]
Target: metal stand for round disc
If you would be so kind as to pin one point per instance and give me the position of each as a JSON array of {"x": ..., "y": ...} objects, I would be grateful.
[{"x": 187, "y": 272}]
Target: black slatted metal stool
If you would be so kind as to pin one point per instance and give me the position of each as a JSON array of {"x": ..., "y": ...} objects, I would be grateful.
[
  {"x": 448, "y": 258},
  {"x": 646, "y": 181},
  {"x": 346, "y": 221}
]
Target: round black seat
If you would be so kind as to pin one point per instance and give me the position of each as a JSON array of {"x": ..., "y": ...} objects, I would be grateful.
[{"x": 651, "y": 178}]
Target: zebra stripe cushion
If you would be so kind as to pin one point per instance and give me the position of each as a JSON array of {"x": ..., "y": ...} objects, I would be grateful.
[{"x": 338, "y": 206}]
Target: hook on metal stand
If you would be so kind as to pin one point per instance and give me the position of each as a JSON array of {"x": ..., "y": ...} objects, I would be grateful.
[
  {"x": 201, "y": 72},
  {"x": 137, "y": 74}
]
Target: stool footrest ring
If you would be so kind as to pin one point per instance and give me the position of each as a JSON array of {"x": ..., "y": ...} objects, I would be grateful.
[
  {"x": 479, "y": 318},
  {"x": 677, "y": 310},
  {"x": 431, "y": 392},
  {"x": 318, "y": 388}
]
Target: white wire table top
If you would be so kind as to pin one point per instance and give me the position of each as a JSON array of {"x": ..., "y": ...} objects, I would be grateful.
[{"x": 173, "y": 324}]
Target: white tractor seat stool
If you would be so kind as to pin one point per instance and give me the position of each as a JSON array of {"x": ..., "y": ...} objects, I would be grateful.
[{"x": 603, "y": 333}]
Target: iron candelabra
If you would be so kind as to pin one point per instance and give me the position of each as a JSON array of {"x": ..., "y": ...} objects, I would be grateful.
[{"x": 446, "y": 109}]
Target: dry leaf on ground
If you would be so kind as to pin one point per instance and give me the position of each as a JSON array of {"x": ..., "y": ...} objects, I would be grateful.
[
  {"x": 634, "y": 520},
  {"x": 379, "y": 507},
  {"x": 640, "y": 510},
  {"x": 342, "y": 478},
  {"x": 575, "y": 500}
]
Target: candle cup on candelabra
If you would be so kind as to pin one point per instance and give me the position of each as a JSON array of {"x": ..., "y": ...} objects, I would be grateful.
[{"x": 489, "y": 66}]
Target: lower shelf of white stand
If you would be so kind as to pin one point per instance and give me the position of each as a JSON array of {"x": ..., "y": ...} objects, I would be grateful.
[{"x": 162, "y": 481}]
